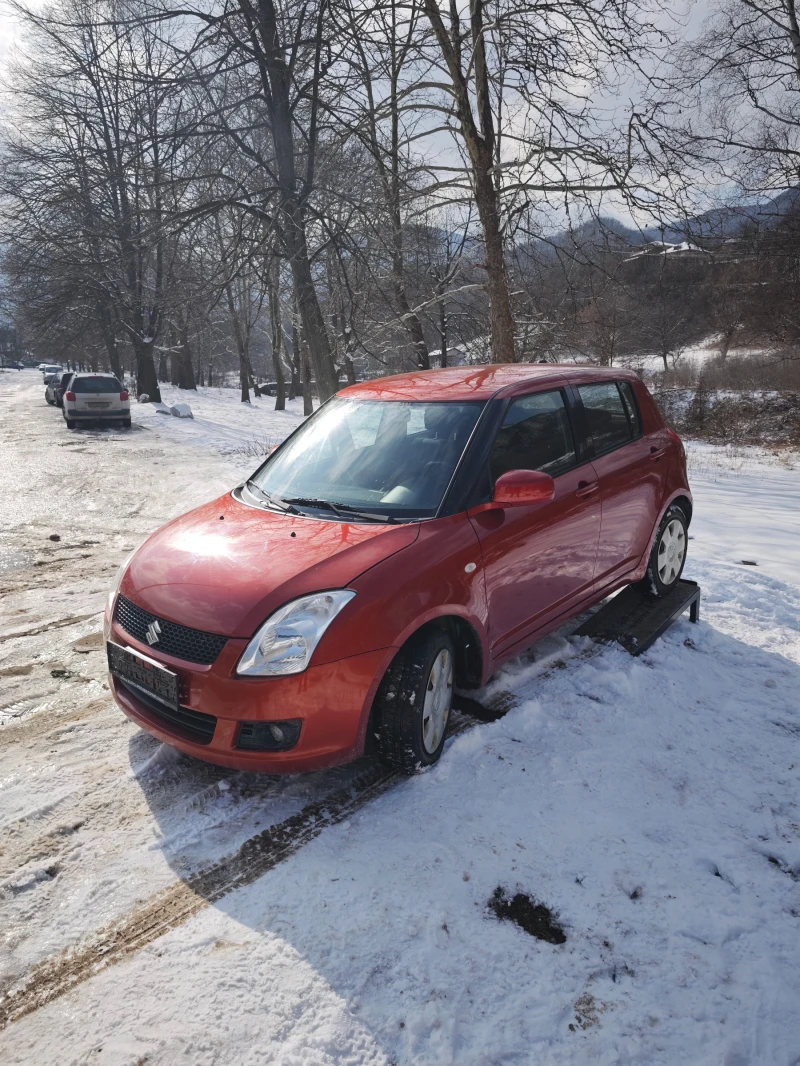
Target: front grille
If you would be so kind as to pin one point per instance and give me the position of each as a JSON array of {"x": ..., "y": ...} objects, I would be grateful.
[
  {"x": 200, "y": 726},
  {"x": 191, "y": 645}
]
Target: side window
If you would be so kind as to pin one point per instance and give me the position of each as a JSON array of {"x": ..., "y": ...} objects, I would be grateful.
[
  {"x": 606, "y": 417},
  {"x": 535, "y": 435},
  {"x": 631, "y": 409}
]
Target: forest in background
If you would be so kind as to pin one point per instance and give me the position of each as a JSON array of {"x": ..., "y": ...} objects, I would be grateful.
[{"x": 314, "y": 193}]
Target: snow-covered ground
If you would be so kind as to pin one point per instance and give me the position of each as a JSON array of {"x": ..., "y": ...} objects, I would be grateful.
[{"x": 651, "y": 804}]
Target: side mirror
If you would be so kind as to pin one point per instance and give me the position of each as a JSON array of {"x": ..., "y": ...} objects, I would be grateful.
[{"x": 518, "y": 487}]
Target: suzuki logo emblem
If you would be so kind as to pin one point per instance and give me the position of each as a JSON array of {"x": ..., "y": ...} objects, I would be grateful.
[{"x": 153, "y": 632}]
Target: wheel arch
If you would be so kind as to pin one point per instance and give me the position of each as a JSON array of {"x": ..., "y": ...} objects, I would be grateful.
[
  {"x": 470, "y": 664},
  {"x": 685, "y": 503}
]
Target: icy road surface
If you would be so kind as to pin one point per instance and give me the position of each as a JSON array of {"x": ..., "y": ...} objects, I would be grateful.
[{"x": 651, "y": 804}]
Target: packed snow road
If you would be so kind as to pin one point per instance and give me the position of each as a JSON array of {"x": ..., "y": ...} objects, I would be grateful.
[{"x": 155, "y": 909}]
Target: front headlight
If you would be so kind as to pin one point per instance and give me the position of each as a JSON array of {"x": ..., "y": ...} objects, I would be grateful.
[
  {"x": 286, "y": 641},
  {"x": 112, "y": 594}
]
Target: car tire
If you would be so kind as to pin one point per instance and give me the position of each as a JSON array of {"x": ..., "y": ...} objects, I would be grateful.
[
  {"x": 48, "y": 399},
  {"x": 414, "y": 700},
  {"x": 70, "y": 423},
  {"x": 668, "y": 555},
  {"x": 126, "y": 423}
]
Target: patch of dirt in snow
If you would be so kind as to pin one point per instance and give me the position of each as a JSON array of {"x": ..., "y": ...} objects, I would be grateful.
[{"x": 535, "y": 918}]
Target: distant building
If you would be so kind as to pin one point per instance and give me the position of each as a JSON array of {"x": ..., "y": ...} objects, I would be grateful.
[{"x": 683, "y": 250}]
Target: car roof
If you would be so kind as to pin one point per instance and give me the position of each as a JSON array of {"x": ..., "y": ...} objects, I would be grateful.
[{"x": 462, "y": 383}]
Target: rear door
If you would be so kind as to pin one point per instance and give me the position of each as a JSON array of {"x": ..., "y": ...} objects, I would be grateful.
[
  {"x": 631, "y": 471},
  {"x": 97, "y": 395},
  {"x": 538, "y": 558}
]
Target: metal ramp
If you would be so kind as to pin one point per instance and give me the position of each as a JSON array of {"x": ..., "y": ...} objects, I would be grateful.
[{"x": 636, "y": 620}]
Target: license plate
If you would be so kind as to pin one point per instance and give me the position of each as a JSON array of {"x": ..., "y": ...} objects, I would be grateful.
[
  {"x": 143, "y": 673},
  {"x": 94, "y": 403}
]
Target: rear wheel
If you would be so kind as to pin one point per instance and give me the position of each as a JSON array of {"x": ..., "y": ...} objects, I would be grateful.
[
  {"x": 70, "y": 423},
  {"x": 668, "y": 555},
  {"x": 126, "y": 422},
  {"x": 412, "y": 707}
]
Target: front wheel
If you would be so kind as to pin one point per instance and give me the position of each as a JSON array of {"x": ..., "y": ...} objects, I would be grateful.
[
  {"x": 668, "y": 556},
  {"x": 412, "y": 707}
]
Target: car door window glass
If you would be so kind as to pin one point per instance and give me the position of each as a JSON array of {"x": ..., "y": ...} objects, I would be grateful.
[
  {"x": 535, "y": 435},
  {"x": 626, "y": 389},
  {"x": 606, "y": 417}
]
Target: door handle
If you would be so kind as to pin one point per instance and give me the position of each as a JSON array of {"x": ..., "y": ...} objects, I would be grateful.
[
  {"x": 586, "y": 488},
  {"x": 657, "y": 453}
]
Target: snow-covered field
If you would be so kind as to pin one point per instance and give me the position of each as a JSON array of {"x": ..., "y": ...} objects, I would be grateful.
[{"x": 651, "y": 804}]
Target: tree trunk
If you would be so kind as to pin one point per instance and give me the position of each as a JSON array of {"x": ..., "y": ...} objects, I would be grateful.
[
  {"x": 276, "y": 336},
  {"x": 308, "y": 406},
  {"x": 443, "y": 330},
  {"x": 146, "y": 380},
  {"x": 481, "y": 143},
  {"x": 501, "y": 318},
  {"x": 276, "y": 78},
  {"x": 293, "y": 359},
  {"x": 110, "y": 341},
  {"x": 185, "y": 366}
]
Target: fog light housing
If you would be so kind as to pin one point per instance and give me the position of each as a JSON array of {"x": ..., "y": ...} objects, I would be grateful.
[{"x": 269, "y": 736}]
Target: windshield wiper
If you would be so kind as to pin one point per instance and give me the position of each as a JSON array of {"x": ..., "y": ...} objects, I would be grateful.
[
  {"x": 340, "y": 509},
  {"x": 284, "y": 506}
]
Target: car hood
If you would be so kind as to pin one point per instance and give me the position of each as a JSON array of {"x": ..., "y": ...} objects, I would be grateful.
[{"x": 226, "y": 566}]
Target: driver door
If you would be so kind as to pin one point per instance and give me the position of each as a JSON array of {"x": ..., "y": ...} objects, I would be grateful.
[{"x": 539, "y": 558}]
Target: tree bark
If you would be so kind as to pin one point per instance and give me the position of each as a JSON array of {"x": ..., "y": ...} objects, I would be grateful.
[
  {"x": 185, "y": 366},
  {"x": 276, "y": 336},
  {"x": 146, "y": 379},
  {"x": 110, "y": 341}
]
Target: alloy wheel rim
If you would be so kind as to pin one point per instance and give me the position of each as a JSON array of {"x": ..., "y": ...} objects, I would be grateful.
[
  {"x": 671, "y": 551},
  {"x": 438, "y": 697}
]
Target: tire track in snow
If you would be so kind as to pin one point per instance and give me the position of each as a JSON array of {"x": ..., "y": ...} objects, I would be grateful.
[{"x": 175, "y": 905}]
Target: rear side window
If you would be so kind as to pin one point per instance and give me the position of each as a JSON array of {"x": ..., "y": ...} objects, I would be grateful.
[
  {"x": 606, "y": 417},
  {"x": 96, "y": 385},
  {"x": 631, "y": 409},
  {"x": 535, "y": 435}
]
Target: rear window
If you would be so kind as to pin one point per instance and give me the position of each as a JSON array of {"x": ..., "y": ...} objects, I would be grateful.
[
  {"x": 608, "y": 420},
  {"x": 96, "y": 385}
]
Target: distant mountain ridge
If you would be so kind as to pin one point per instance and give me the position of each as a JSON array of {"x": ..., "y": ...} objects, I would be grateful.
[{"x": 718, "y": 223}]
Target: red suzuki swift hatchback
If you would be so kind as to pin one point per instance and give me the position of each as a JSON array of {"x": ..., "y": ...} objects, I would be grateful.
[{"x": 409, "y": 537}]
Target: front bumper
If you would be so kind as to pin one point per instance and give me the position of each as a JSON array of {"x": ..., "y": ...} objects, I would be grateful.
[{"x": 332, "y": 700}]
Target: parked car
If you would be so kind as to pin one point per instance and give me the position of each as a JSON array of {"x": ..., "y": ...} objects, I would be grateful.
[
  {"x": 268, "y": 388},
  {"x": 48, "y": 369},
  {"x": 56, "y": 387},
  {"x": 96, "y": 398},
  {"x": 411, "y": 536}
]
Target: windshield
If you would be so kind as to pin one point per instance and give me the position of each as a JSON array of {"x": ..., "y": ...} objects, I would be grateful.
[{"x": 384, "y": 460}]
